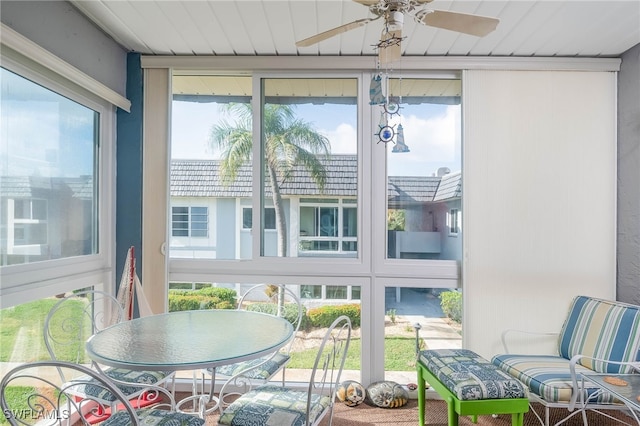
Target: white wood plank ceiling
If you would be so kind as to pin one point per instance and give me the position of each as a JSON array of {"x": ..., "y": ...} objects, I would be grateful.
[{"x": 527, "y": 28}]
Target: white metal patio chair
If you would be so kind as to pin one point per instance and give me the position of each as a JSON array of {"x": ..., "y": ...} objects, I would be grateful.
[
  {"x": 238, "y": 378},
  {"x": 47, "y": 399},
  {"x": 282, "y": 406},
  {"x": 68, "y": 325}
]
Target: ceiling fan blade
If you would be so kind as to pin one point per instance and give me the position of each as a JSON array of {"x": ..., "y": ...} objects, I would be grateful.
[
  {"x": 461, "y": 22},
  {"x": 390, "y": 52},
  {"x": 333, "y": 32},
  {"x": 367, "y": 2}
]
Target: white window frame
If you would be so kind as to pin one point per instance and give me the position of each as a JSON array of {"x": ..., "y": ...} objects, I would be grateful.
[
  {"x": 190, "y": 221},
  {"x": 15, "y": 244},
  {"x": 249, "y": 228},
  {"x": 31, "y": 281},
  {"x": 370, "y": 269},
  {"x": 453, "y": 221},
  {"x": 340, "y": 206}
]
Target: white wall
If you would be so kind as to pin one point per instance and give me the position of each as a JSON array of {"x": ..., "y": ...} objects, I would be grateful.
[
  {"x": 62, "y": 30},
  {"x": 629, "y": 177},
  {"x": 540, "y": 198},
  {"x": 155, "y": 194}
]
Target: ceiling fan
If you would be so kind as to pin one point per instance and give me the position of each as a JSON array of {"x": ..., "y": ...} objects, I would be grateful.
[{"x": 394, "y": 11}]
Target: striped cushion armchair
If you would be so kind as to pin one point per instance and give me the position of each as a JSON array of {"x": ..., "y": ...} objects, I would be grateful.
[{"x": 598, "y": 336}]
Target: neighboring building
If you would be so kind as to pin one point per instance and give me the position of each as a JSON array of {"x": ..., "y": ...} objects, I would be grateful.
[
  {"x": 213, "y": 220},
  {"x": 44, "y": 218}
]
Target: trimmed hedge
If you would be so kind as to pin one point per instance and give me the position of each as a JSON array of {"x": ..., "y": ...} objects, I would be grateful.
[
  {"x": 325, "y": 315},
  {"x": 225, "y": 298},
  {"x": 205, "y": 298}
]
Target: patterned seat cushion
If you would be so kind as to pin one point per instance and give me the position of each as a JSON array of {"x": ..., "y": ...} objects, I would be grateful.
[
  {"x": 547, "y": 376},
  {"x": 122, "y": 375},
  {"x": 262, "y": 372},
  {"x": 154, "y": 417},
  {"x": 469, "y": 376},
  {"x": 273, "y": 405}
]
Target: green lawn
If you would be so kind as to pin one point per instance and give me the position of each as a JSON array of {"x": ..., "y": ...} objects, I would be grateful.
[
  {"x": 16, "y": 397},
  {"x": 400, "y": 355},
  {"x": 21, "y": 334},
  {"x": 21, "y": 338}
]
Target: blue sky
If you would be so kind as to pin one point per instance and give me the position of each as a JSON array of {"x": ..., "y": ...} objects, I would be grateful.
[
  {"x": 43, "y": 133},
  {"x": 432, "y": 133}
]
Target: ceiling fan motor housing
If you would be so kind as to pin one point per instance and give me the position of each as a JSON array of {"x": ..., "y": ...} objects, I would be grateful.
[{"x": 395, "y": 20}]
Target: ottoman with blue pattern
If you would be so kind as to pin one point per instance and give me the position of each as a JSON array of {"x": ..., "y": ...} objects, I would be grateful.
[{"x": 470, "y": 385}]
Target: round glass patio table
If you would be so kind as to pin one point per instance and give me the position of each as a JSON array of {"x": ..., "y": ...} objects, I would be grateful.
[{"x": 187, "y": 340}]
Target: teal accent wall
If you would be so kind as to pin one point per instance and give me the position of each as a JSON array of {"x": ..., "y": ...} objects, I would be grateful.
[{"x": 129, "y": 171}]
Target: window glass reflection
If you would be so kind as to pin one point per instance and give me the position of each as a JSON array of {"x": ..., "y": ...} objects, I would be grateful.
[{"x": 48, "y": 191}]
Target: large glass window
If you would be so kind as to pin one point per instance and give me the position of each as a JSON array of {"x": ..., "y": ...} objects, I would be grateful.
[
  {"x": 310, "y": 144},
  {"x": 321, "y": 304},
  {"x": 308, "y": 160},
  {"x": 420, "y": 123},
  {"x": 424, "y": 194},
  {"x": 207, "y": 173},
  {"x": 48, "y": 170},
  {"x": 310, "y": 147}
]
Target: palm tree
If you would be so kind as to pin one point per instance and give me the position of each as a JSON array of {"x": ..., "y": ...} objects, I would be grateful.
[{"x": 288, "y": 142}]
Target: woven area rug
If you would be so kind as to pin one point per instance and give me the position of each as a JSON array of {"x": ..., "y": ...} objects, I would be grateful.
[{"x": 436, "y": 415}]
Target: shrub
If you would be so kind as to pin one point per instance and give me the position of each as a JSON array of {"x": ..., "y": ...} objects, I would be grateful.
[
  {"x": 224, "y": 294},
  {"x": 451, "y": 304},
  {"x": 325, "y": 315},
  {"x": 205, "y": 298}
]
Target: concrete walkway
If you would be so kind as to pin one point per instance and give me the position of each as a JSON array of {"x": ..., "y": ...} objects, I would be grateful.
[{"x": 422, "y": 306}]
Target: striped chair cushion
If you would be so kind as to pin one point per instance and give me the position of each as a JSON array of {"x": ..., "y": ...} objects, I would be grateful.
[
  {"x": 469, "y": 376},
  {"x": 601, "y": 329},
  {"x": 547, "y": 376}
]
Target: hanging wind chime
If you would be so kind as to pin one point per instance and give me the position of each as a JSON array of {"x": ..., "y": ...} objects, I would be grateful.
[{"x": 379, "y": 95}]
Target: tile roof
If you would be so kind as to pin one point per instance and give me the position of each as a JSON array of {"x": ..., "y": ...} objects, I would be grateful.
[
  {"x": 200, "y": 178},
  {"x": 45, "y": 187},
  {"x": 412, "y": 189},
  {"x": 450, "y": 187}
]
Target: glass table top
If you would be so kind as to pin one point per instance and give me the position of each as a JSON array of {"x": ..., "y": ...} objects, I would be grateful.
[
  {"x": 189, "y": 339},
  {"x": 629, "y": 393}
]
